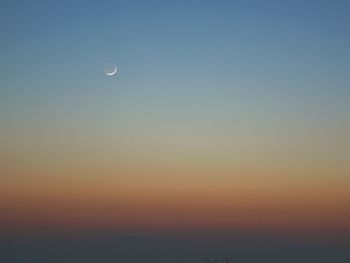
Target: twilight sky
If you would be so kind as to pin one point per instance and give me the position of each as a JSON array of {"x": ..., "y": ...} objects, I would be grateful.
[{"x": 224, "y": 116}]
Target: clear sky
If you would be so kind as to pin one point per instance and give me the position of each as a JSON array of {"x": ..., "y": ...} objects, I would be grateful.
[{"x": 223, "y": 116}]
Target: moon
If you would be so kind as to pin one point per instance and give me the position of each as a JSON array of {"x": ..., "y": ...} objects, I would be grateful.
[
  {"x": 110, "y": 69},
  {"x": 112, "y": 73}
]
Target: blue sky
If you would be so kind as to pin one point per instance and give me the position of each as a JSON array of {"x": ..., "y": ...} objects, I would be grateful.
[
  {"x": 301, "y": 45},
  {"x": 184, "y": 60}
]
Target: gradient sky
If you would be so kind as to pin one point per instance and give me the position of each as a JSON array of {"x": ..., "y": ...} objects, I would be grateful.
[{"x": 224, "y": 116}]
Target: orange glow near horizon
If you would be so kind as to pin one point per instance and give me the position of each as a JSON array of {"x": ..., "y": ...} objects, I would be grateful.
[
  {"x": 254, "y": 179},
  {"x": 114, "y": 204}
]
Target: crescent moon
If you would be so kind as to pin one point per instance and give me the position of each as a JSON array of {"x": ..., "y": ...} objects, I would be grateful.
[{"x": 112, "y": 73}]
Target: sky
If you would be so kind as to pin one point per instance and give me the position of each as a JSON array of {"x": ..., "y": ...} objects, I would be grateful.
[{"x": 225, "y": 118}]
